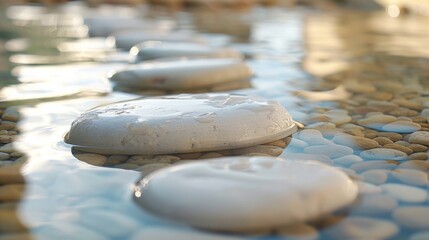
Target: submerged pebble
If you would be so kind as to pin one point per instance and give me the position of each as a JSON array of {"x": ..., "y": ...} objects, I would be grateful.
[
  {"x": 405, "y": 193},
  {"x": 189, "y": 192},
  {"x": 415, "y": 217},
  {"x": 363, "y": 228},
  {"x": 383, "y": 154}
]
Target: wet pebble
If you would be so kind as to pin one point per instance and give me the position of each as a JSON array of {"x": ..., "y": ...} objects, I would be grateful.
[
  {"x": 127, "y": 166},
  {"x": 116, "y": 159},
  {"x": 404, "y": 112},
  {"x": 355, "y": 142},
  {"x": 415, "y": 164},
  {"x": 4, "y": 156},
  {"x": 417, "y": 147},
  {"x": 419, "y": 156},
  {"x": 312, "y": 137},
  {"x": 179, "y": 234},
  {"x": 383, "y": 154},
  {"x": 376, "y": 121},
  {"x": 375, "y": 176},
  {"x": 10, "y": 222},
  {"x": 11, "y": 114},
  {"x": 217, "y": 155},
  {"x": 415, "y": 217},
  {"x": 410, "y": 176},
  {"x": 408, "y": 104},
  {"x": 390, "y": 135},
  {"x": 347, "y": 160},
  {"x": 376, "y": 164},
  {"x": 405, "y": 193},
  {"x": 372, "y": 204},
  {"x": 338, "y": 117},
  {"x": 11, "y": 174},
  {"x": 363, "y": 228},
  {"x": 401, "y": 127},
  {"x": 420, "y": 137},
  {"x": 398, "y": 147},
  {"x": 91, "y": 158},
  {"x": 332, "y": 151},
  {"x": 296, "y": 143},
  {"x": 367, "y": 188},
  {"x": 265, "y": 149},
  {"x": 300, "y": 231},
  {"x": 7, "y": 125}
]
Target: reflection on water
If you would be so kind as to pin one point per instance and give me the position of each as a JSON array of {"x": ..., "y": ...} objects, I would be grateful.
[{"x": 368, "y": 93}]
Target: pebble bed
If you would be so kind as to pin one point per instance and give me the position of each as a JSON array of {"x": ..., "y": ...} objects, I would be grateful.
[{"x": 378, "y": 135}]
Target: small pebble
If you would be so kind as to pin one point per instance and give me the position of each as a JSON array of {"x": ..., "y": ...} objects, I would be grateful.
[
  {"x": 11, "y": 175},
  {"x": 266, "y": 149},
  {"x": 10, "y": 222},
  {"x": 376, "y": 164},
  {"x": 4, "y": 156},
  {"x": 92, "y": 158},
  {"x": 405, "y": 193},
  {"x": 419, "y": 156},
  {"x": 415, "y": 164},
  {"x": 410, "y": 176},
  {"x": 312, "y": 137},
  {"x": 420, "y": 137},
  {"x": 362, "y": 228},
  {"x": 332, "y": 151},
  {"x": 398, "y": 147},
  {"x": 355, "y": 142},
  {"x": 375, "y": 176},
  {"x": 404, "y": 112},
  {"x": 7, "y": 125},
  {"x": 116, "y": 159},
  {"x": 383, "y": 154},
  {"x": 367, "y": 188},
  {"x": 376, "y": 121},
  {"x": 11, "y": 114},
  {"x": 279, "y": 143},
  {"x": 296, "y": 143},
  {"x": 415, "y": 217},
  {"x": 383, "y": 140},
  {"x": 401, "y": 127},
  {"x": 404, "y": 143},
  {"x": 372, "y": 204},
  {"x": 408, "y": 104},
  {"x": 390, "y": 135},
  {"x": 348, "y": 160}
]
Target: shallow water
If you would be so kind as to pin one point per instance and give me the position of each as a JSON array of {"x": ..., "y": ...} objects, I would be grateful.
[{"x": 305, "y": 59}]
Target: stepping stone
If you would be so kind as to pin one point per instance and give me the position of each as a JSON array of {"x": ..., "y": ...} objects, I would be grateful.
[
  {"x": 180, "y": 124},
  {"x": 154, "y": 50},
  {"x": 231, "y": 194},
  {"x": 182, "y": 75}
]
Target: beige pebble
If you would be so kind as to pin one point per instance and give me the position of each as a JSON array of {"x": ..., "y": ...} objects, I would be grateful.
[
  {"x": 317, "y": 117},
  {"x": 415, "y": 217},
  {"x": 10, "y": 222},
  {"x": 148, "y": 168},
  {"x": 266, "y": 149},
  {"x": 401, "y": 127},
  {"x": 9, "y": 205},
  {"x": 417, "y": 147},
  {"x": 411, "y": 176},
  {"x": 11, "y": 174},
  {"x": 365, "y": 109},
  {"x": 419, "y": 119},
  {"x": 415, "y": 164},
  {"x": 398, "y": 147},
  {"x": 338, "y": 118},
  {"x": 383, "y": 154},
  {"x": 332, "y": 151},
  {"x": 6, "y": 138},
  {"x": 403, "y": 143},
  {"x": 375, "y": 176},
  {"x": 356, "y": 87},
  {"x": 348, "y": 160},
  {"x": 3, "y": 132},
  {"x": 127, "y": 166},
  {"x": 420, "y": 137},
  {"x": 7, "y": 125},
  {"x": 383, "y": 140},
  {"x": 351, "y": 126},
  {"x": 373, "y": 113},
  {"x": 4, "y": 156},
  {"x": 368, "y": 133},
  {"x": 404, "y": 112},
  {"x": 390, "y": 135},
  {"x": 424, "y": 235},
  {"x": 376, "y": 121},
  {"x": 11, "y": 192},
  {"x": 92, "y": 158},
  {"x": 419, "y": 156},
  {"x": 408, "y": 104},
  {"x": 299, "y": 231},
  {"x": 376, "y": 164},
  {"x": 116, "y": 159},
  {"x": 7, "y": 148},
  {"x": 12, "y": 132},
  {"x": 405, "y": 193},
  {"x": 407, "y": 119},
  {"x": 11, "y": 114},
  {"x": 279, "y": 143},
  {"x": 327, "y": 130},
  {"x": 211, "y": 155},
  {"x": 355, "y": 142},
  {"x": 382, "y": 106},
  {"x": 362, "y": 228},
  {"x": 373, "y": 204},
  {"x": 312, "y": 137},
  {"x": 354, "y": 132}
]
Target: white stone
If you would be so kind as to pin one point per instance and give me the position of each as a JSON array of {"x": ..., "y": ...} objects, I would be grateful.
[
  {"x": 332, "y": 151},
  {"x": 363, "y": 228},
  {"x": 171, "y": 233},
  {"x": 154, "y": 50},
  {"x": 231, "y": 194},
  {"x": 401, "y": 127},
  {"x": 373, "y": 204},
  {"x": 375, "y": 176},
  {"x": 348, "y": 160},
  {"x": 383, "y": 154},
  {"x": 405, "y": 193},
  {"x": 182, "y": 75},
  {"x": 410, "y": 176},
  {"x": 180, "y": 124},
  {"x": 416, "y": 217}
]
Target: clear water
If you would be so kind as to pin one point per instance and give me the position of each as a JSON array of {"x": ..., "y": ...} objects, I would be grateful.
[{"x": 292, "y": 51}]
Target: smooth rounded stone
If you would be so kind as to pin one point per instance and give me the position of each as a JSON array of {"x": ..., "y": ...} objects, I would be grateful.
[
  {"x": 368, "y": 133},
  {"x": 351, "y": 126},
  {"x": 408, "y": 104},
  {"x": 420, "y": 236},
  {"x": 116, "y": 159},
  {"x": 383, "y": 154},
  {"x": 354, "y": 132},
  {"x": 154, "y": 50},
  {"x": 404, "y": 143},
  {"x": 282, "y": 143},
  {"x": 269, "y": 150},
  {"x": 91, "y": 158},
  {"x": 420, "y": 137},
  {"x": 405, "y": 193},
  {"x": 355, "y": 142},
  {"x": 182, "y": 75},
  {"x": 189, "y": 155},
  {"x": 376, "y": 121},
  {"x": 328, "y": 130},
  {"x": 363, "y": 228},
  {"x": 11, "y": 114},
  {"x": 398, "y": 147},
  {"x": 415, "y": 147},
  {"x": 10, "y": 222},
  {"x": 407, "y": 119},
  {"x": 179, "y": 234},
  {"x": 332, "y": 151},
  {"x": 11, "y": 192},
  {"x": 367, "y": 188},
  {"x": 390, "y": 135},
  {"x": 300, "y": 231},
  {"x": 7, "y": 139},
  {"x": 111, "y": 223},
  {"x": 404, "y": 112},
  {"x": 375, "y": 176},
  {"x": 410, "y": 176},
  {"x": 415, "y": 164},
  {"x": 313, "y": 137},
  {"x": 338, "y": 118},
  {"x": 419, "y": 156},
  {"x": 401, "y": 127},
  {"x": 151, "y": 167},
  {"x": 296, "y": 143},
  {"x": 415, "y": 217},
  {"x": 151, "y": 126},
  {"x": 347, "y": 160},
  {"x": 3, "y": 132},
  {"x": 4, "y": 156},
  {"x": 373, "y": 204},
  {"x": 381, "y": 106},
  {"x": 376, "y": 164},
  {"x": 299, "y": 191},
  {"x": 7, "y": 125},
  {"x": 356, "y": 87}
]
